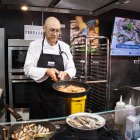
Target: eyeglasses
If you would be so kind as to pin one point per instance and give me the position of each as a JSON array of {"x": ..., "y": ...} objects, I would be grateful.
[{"x": 54, "y": 30}]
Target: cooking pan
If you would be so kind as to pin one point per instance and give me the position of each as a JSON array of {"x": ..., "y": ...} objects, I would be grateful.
[
  {"x": 73, "y": 83},
  {"x": 17, "y": 116},
  {"x": 19, "y": 129},
  {"x": 4, "y": 107}
]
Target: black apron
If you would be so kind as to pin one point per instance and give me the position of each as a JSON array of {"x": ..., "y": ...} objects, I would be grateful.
[{"x": 45, "y": 103}]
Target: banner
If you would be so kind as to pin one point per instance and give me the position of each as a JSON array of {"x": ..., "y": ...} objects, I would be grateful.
[{"x": 33, "y": 32}]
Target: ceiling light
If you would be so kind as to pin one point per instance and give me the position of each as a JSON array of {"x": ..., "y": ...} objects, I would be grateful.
[
  {"x": 118, "y": 3},
  {"x": 90, "y": 13},
  {"x": 24, "y": 8}
]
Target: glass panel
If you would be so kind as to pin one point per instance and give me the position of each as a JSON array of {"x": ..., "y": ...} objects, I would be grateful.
[
  {"x": 18, "y": 58},
  {"x": 109, "y": 116},
  {"x": 106, "y": 114}
]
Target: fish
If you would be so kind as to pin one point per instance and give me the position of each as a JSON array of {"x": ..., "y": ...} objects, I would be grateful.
[{"x": 86, "y": 122}]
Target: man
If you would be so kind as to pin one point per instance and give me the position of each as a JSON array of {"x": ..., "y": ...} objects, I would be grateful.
[{"x": 47, "y": 60}]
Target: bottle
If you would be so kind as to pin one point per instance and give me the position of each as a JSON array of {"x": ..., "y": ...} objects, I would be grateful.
[
  {"x": 130, "y": 109},
  {"x": 120, "y": 115},
  {"x": 138, "y": 106}
]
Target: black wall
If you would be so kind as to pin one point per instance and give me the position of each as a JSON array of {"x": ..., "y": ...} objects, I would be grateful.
[{"x": 123, "y": 70}]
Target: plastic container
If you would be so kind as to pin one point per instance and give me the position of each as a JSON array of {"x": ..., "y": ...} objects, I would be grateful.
[
  {"x": 130, "y": 110},
  {"x": 75, "y": 105},
  {"x": 120, "y": 115}
]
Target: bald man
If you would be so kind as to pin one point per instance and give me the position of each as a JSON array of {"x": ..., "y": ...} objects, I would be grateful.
[{"x": 47, "y": 60}]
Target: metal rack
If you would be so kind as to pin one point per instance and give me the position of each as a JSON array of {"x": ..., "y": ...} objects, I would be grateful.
[{"x": 92, "y": 61}]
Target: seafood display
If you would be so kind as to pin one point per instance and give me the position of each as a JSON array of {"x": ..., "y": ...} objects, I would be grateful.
[
  {"x": 71, "y": 89},
  {"x": 86, "y": 121},
  {"x": 30, "y": 132}
]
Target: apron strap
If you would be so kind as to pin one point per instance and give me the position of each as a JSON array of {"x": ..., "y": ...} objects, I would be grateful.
[
  {"x": 60, "y": 52},
  {"x": 42, "y": 45}
]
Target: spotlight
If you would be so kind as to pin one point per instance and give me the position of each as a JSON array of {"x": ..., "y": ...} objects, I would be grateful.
[{"x": 24, "y": 8}]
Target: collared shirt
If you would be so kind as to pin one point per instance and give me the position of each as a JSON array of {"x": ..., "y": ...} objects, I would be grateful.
[{"x": 37, "y": 73}]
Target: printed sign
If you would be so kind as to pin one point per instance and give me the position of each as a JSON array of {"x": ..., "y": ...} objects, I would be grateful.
[{"x": 33, "y": 32}]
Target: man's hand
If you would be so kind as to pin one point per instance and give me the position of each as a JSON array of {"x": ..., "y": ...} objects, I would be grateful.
[
  {"x": 62, "y": 75},
  {"x": 52, "y": 72}
]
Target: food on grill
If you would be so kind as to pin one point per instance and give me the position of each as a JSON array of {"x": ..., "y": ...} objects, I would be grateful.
[
  {"x": 71, "y": 89},
  {"x": 30, "y": 131},
  {"x": 85, "y": 122}
]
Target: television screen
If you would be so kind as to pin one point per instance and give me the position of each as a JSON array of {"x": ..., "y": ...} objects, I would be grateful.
[{"x": 126, "y": 37}]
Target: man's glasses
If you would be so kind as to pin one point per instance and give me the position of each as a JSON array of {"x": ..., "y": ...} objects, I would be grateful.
[{"x": 54, "y": 30}]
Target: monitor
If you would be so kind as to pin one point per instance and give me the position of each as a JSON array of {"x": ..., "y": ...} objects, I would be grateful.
[{"x": 126, "y": 37}]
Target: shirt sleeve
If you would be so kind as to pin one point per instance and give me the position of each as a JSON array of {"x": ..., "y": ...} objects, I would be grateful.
[
  {"x": 30, "y": 67},
  {"x": 69, "y": 65}
]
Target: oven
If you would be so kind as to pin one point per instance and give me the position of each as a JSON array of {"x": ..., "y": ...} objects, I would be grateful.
[
  {"x": 17, "y": 57},
  {"x": 19, "y": 91},
  {"x": 20, "y": 86}
]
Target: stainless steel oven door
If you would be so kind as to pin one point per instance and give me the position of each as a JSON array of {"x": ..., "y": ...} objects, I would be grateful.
[
  {"x": 16, "y": 58},
  {"x": 19, "y": 92}
]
